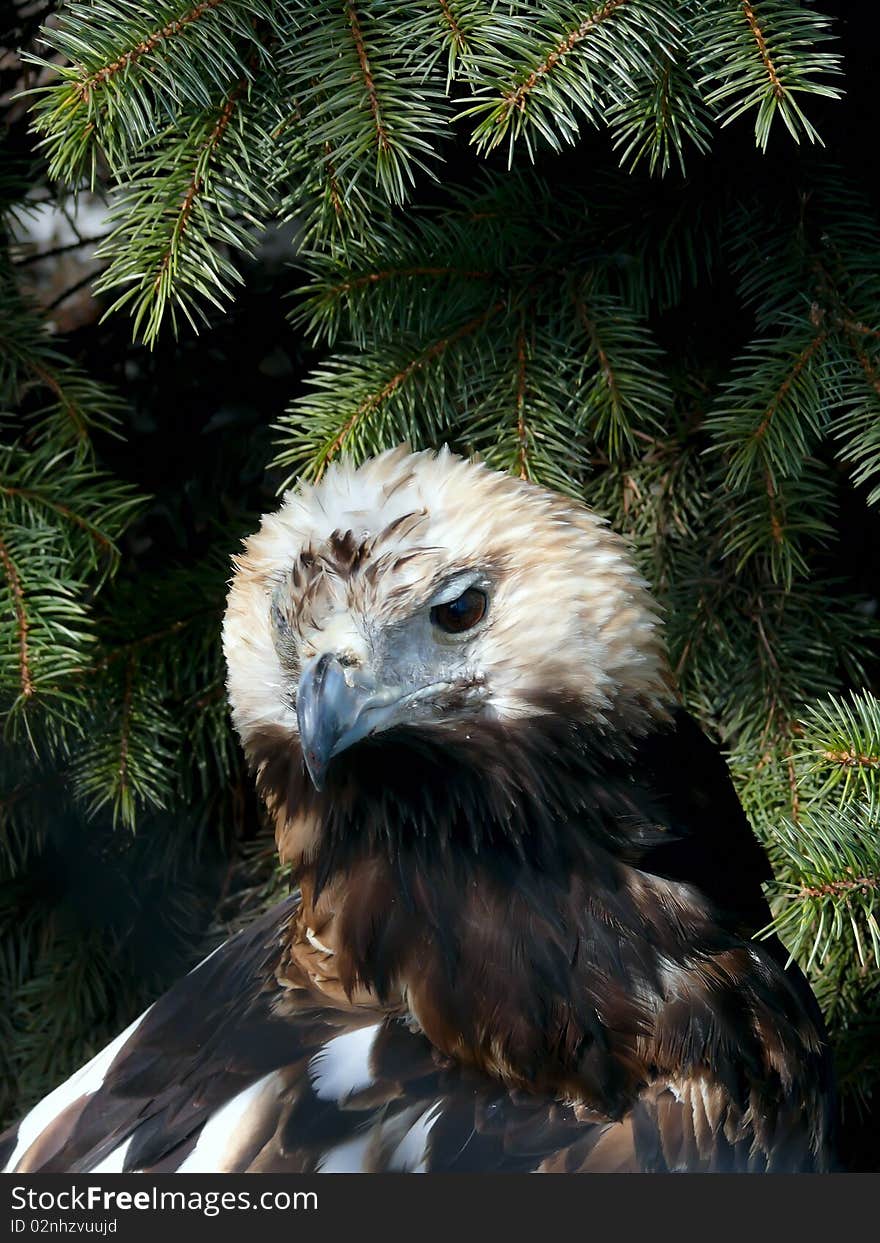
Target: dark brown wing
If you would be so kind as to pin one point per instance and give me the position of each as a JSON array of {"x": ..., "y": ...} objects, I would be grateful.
[{"x": 215, "y": 1077}]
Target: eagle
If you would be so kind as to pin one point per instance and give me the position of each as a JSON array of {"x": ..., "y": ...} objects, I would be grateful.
[{"x": 524, "y": 930}]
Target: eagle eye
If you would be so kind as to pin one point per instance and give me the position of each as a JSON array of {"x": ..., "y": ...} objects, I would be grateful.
[{"x": 460, "y": 614}]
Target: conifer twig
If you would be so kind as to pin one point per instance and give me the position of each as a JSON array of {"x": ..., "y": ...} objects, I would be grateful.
[
  {"x": 521, "y": 432},
  {"x": 375, "y": 278},
  {"x": 125, "y": 727},
  {"x": 760, "y": 40},
  {"x": 835, "y": 888},
  {"x": 375, "y": 400},
  {"x": 65, "y": 511},
  {"x": 198, "y": 178},
  {"x": 369, "y": 84},
  {"x": 143, "y": 48},
  {"x": 797, "y": 367},
  {"x": 454, "y": 28},
  {"x": 21, "y": 618},
  {"x": 515, "y": 97}
]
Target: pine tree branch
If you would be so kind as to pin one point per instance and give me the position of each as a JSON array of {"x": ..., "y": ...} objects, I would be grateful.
[
  {"x": 377, "y": 399},
  {"x": 333, "y": 184},
  {"x": 764, "y": 58},
  {"x": 855, "y": 326},
  {"x": 143, "y": 48},
  {"x": 126, "y": 650},
  {"x": 793, "y": 788},
  {"x": 374, "y": 278},
  {"x": 836, "y": 888},
  {"x": 800, "y": 362},
  {"x": 79, "y": 244},
  {"x": 851, "y": 759},
  {"x": 604, "y": 361},
  {"x": 628, "y": 386},
  {"x": 845, "y": 735},
  {"x": 871, "y": 373},
  {"x": 84, "y": 280},
  {"x": 760, "y": 40},
  {"x": 125, "y": 731},
  {"x": 458, "y": 37},
  {"x": 777, "y": 530},
  {"x": 521, "y": 430},
  {"x": 198, "y": 179},
  {"x": 50, "y": 379},
  {"x": 515, "y": 98},
  {"x": 382, "y": 140},
  {"x": 540, "y": 72},
  {"x": 21, "y": 619},
  {"x": 107, "y": 546}
]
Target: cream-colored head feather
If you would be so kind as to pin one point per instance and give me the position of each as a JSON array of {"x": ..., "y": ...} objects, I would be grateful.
[{"x": 353, "y": 565}]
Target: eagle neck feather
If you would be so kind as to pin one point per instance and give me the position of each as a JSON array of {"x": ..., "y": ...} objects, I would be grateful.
[{"x": 535, "y": 897}]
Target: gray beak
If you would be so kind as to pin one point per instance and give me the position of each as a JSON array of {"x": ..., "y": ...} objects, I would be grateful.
[{"x": 330, "y": 712}]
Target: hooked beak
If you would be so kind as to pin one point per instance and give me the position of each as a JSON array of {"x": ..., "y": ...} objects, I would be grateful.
[
  {"x": 334, "y": 710},
  {"x": 339, "y": 704}
]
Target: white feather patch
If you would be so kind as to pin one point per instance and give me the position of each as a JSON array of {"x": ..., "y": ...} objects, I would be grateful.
[
  {"x": 113, "y": 1163},
  {"x": 347, "y": 1158},
  {"x": 84, "y": 1082},
  {"x": 342, "y": 1067},
  {"x": 410, "y": 1154},
  {"x": 221, "y": 1135}
]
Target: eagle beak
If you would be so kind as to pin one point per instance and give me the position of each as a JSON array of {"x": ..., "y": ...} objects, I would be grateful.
[{"x": 332, "y": 712}]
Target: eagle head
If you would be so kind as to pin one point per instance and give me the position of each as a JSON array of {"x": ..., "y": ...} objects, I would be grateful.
[{"x": 424, "y": 593}]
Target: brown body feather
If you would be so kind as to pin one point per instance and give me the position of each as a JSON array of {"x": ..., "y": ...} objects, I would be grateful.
[{"x": 596, "y": 1004}]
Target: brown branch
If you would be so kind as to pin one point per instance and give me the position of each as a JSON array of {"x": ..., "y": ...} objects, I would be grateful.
[
  {"x": 198, "y": 178},
  {"x": 127, "y": 649},
  {"x": 800, "y": 362},
  {"x": 521, "y": 431},
  {"x": 851, "y": 759},
  {"x": 376, "y": 399},
  {"x": 8, "y": 800},
  {"x": 765, "y": 642},
  {"x": 21, "y": 618},
  {"x": 702, "y": 618},
  {"x": 87, "y": 85},
  {"x": 834, "y": 888},
  {"x": 793, "y": 788},
  {"x": 516, "y": 98},
  {"x": 40, "y": 255},
  {"x": 374, "y": 278},
  {"x": 358, "y": 36},
  {"x": 604, "y": 361},
  {"x": 125, "y": 730},
  {"x": 867, "y": 366},
  {"x": 69, "y": 292},
  {"x": 333, "y": 180},
  {"x": 776, "y": 526},
  {"x": 456, "y": 30},
  {"x": 65, "y": 511},
  {"x": 51, "y": 382},
  {"x": 856, "y": 326},
  {"x": 758, "y": 34},
  {"x": 211, "y": 696}
]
